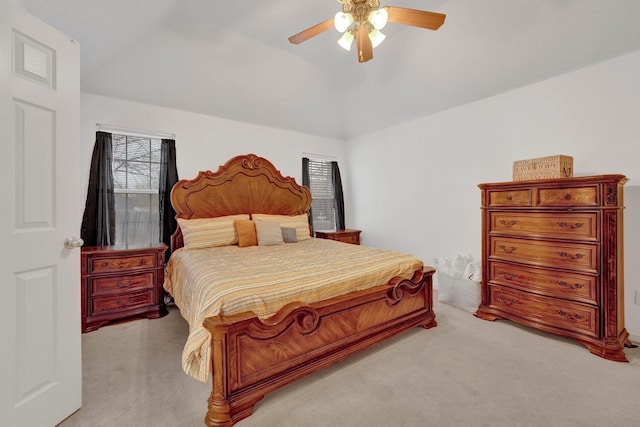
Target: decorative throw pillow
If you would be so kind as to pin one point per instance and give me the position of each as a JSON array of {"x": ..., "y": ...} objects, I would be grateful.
[
  {"x": 289, "y": 235},
  {"x": 268, "y": 233},
  {"x": 299, "y": 222},
  {"x": 209, "y": 232},
  {"x": 246, "y": 230}
]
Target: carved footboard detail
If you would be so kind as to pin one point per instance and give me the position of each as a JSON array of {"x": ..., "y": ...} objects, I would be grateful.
[{"x": 252, "y": 357}]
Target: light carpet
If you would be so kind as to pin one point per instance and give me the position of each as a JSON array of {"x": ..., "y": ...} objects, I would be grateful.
[{"x": 464, "y": 372}]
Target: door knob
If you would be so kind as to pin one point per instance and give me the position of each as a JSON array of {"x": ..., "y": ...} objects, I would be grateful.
[{"x": 73, "y": 242}]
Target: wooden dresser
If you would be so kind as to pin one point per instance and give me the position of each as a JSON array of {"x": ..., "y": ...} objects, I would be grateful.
[
  {"x": 121, "y": 283},
  {"x": 346, "y": 236},
  {"x": 552, "y": 258}
]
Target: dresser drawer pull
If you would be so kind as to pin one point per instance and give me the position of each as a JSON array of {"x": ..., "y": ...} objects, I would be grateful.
[
  {"x": 567, "y": 196},
  {"x": 507, "y": 276},
  {"x": 569, "y": 256},
  {"x": 568, "y": 286},
  {"x": 509, "y": 197},
  {"x": 508, "y": 223},
  {"x": 568, "y": 316},
  {"x": 125, "y": 303},
  {"x": 143, "y": 261},
  {"x": 508, "y": 301},
  {"x": 571, "y": 227},
  {"x": 126, "y": 284},
  {"x": 509, "y": 250}
]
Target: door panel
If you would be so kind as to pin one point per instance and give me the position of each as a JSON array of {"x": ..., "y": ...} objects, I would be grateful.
[{"x": 41, "y": 194}]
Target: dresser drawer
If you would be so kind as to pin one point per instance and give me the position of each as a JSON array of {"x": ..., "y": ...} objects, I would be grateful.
[
  {"x": 576, "y": 196},
  {"x": 125, "y": 301},
  {"x": 117, "y": 263},
  {"x": 573, "y": 256},
  {"x": 572, "y": 286},
  {"x": 558, "y": 225},
  {"x": 132, "y": 282},
  {"x": 548, "y": 311},
  {"x": 510, "y": 198}
]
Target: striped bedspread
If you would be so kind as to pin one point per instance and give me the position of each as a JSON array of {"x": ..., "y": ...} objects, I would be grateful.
[{"x": 263, "y": 279}]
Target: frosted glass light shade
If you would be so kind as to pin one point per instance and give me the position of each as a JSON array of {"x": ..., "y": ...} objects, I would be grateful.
[
  {"x": 346, "y": 40},
  {"x": 379, "y": 18},
  {"x": 342, "y": 21},
  {"x": 376, "y": 37}
]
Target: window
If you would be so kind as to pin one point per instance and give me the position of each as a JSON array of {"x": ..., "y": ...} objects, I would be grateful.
[
  {"x": 323, "y": 211},
  {"x": 136, "y": 176}
]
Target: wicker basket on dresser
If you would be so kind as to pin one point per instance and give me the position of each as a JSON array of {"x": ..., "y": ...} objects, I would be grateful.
[{"x": 552, "y": 258}]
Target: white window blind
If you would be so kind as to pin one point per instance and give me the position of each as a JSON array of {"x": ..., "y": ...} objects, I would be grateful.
[
  {"x": 136, "y": 175},
  {"x": 323, "y": 212}
]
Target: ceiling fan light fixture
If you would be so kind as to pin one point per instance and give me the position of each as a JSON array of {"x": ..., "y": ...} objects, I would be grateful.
[
  {"x": 346, "y": 40},
  {"x": 376, "y": 37},
  {"x": 379, "y": 18},
  {"x": 342, "y": 21}
]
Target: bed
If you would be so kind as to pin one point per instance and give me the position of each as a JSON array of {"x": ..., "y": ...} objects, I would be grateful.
[{"x": 251, "y": 343}]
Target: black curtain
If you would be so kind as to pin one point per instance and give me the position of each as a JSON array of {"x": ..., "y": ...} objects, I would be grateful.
[
  {"x": 338, "y": 197},
  {"x": 307, "y": 182},
  {"x": 99, "y": 219},
  {"x": 168, "y": 177}
]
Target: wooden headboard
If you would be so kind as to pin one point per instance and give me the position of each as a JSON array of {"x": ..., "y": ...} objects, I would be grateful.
[{"x": 245, "y": 184}]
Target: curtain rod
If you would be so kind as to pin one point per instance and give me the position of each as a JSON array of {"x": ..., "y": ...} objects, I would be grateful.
[
  {"x": 319, "y": 156},
  {"x": 134, "y": 132}
]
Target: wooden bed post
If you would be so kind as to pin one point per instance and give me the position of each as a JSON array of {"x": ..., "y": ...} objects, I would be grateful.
[{"x": 219, "y": 409}]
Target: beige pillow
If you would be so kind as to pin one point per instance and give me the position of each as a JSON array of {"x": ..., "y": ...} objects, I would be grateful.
[
  {"x": 268, "y": 233},
  {"x": 209, "y": 232},
  {"x": 299, "y": 222},
  {"x": 246, "y": 230}
]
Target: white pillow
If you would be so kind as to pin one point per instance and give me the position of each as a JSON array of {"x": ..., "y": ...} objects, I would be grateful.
[
  {"x": 209, "y": 232},
  {"x": 269, "y": 233},
  {"x": 299, "y": 222}
]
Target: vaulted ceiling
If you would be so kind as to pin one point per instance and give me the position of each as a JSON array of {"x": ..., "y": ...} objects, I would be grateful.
[{"x": 232, "y": 59}]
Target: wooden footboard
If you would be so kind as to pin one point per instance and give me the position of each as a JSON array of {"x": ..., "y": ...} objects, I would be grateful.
[{"x": 252, "y": 357}]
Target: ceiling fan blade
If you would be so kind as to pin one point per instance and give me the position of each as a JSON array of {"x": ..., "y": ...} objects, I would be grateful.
[
  {"x": 416, "y": 18},
  {"x": 363, "y": 43},
  {"x": 311, "y": 32}
]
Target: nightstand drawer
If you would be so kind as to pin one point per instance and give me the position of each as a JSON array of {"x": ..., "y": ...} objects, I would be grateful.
[
  {"x": 120, "y": 263},
  {"x": 125, "y": 301},
  {"x": 133, "y": 282},
  {"x": 345, "y": 236}
]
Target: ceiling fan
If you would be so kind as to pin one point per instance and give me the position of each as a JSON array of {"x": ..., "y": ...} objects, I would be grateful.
[{"x": 362, "y": 20}]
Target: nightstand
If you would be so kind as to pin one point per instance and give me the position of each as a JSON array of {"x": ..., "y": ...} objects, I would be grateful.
[
  {"x": 346, "y": 236},
  {"x": 121, "y": 283}
]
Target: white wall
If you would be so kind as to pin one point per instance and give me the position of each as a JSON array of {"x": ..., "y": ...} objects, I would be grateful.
[
  {"x": 415, "y": 184},
  {"x": 205, "y": 142}
]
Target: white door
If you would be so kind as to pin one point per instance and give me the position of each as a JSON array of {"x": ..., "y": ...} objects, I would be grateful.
[{"x": 40, "y": 190}]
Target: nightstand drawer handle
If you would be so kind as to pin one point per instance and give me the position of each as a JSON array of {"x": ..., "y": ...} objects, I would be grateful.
[
  {"x": 568, "y": 286},
  {"x": 569, "y": 256},
  {"x": 567, "y": 196},
  {"x": 509, "y": 250},
  {"x": 126, "y": 284},
  {"x": 508, "y": 223}
]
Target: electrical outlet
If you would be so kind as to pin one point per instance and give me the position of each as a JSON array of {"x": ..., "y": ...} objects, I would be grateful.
[{"x": 637, "y": 297}]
